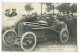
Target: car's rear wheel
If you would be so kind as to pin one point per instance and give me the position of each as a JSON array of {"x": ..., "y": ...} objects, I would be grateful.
[
  {"x": 9, "y": 37},
  {"x": 28, "y": 41},
  {"x": 64, "y": 35}
]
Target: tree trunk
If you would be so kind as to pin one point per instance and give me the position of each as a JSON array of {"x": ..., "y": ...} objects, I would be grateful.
[
  {"x": 72, "y": 14},
  {"x": 29, "y": 12},
  {"x": 53, "y": 10},
  {"x": 41, "y": 9}
]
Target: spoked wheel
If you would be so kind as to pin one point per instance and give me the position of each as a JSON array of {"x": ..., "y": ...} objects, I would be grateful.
[
  {"x": 64, "y": 35},
  {"x": 9, "y": 37},
  {"x": 28, "y": 41}
]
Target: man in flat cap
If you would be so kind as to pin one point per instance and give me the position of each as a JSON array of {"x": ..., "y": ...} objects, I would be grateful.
[
  {"x": 13, "y": 12},
  {"x": 7, "y": 12}
]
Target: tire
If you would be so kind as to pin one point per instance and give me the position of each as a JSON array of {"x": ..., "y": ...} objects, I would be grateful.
[
  {"x": 64, "y": 34},
  {"x": 10, "y": 40},
  {"x": 29, "y": 41}
]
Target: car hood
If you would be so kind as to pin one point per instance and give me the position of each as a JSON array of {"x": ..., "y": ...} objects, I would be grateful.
[{"x": 36, "y": 23}]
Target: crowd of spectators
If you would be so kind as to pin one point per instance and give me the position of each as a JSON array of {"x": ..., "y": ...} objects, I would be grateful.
[{"x": 69, "y": 19}]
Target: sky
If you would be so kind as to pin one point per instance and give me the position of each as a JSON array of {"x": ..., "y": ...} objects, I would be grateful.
[{"x": 20, "y": 9}]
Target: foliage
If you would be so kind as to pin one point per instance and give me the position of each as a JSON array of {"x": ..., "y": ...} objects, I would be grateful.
[
  {"x": 50, "y": 7},
  {"x": 64, "y": 7},
  {"x": 73, "y": 8},
  {"x": 28, "y": 7}
]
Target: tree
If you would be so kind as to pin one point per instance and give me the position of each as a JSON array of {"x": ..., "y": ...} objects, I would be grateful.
[
  {"x": 48, "y": 4},
  {"x": 64, "y": 7},
  {"x": 50, "y": 7},
  {"x": 28, "y": 7},
  {"x": 73, "y": 8},
  {"x": 53, "y": 8}
]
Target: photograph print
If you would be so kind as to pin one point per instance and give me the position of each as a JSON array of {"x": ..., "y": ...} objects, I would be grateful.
[{"x": 39, "y": 26}]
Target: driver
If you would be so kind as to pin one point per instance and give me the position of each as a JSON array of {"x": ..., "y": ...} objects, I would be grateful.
[
  {"x": 55, "y": 21},
  {"x": 52, "y": 20}
]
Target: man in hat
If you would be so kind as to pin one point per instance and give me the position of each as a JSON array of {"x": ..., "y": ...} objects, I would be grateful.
[
  {"x": 7, "y": 12},
  {"x": 13, "y": 12}
]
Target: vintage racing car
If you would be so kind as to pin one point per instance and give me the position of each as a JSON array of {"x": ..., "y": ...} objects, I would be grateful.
[{"x": 27, "y": 34}]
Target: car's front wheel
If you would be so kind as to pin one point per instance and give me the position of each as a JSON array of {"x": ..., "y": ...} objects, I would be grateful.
[{"x": 28, "y": 41}]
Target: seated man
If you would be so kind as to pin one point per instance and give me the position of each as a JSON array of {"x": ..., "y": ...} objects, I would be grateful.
[
  {"x": 31, "y": 18},
  {"x": 53, "y": 21},
  {"x": 34, "y": 17},
  {"x": 49, "y": 19}
]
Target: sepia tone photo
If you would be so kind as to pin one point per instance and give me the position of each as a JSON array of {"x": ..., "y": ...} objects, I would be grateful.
[{"x": 39, "y": 26}]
